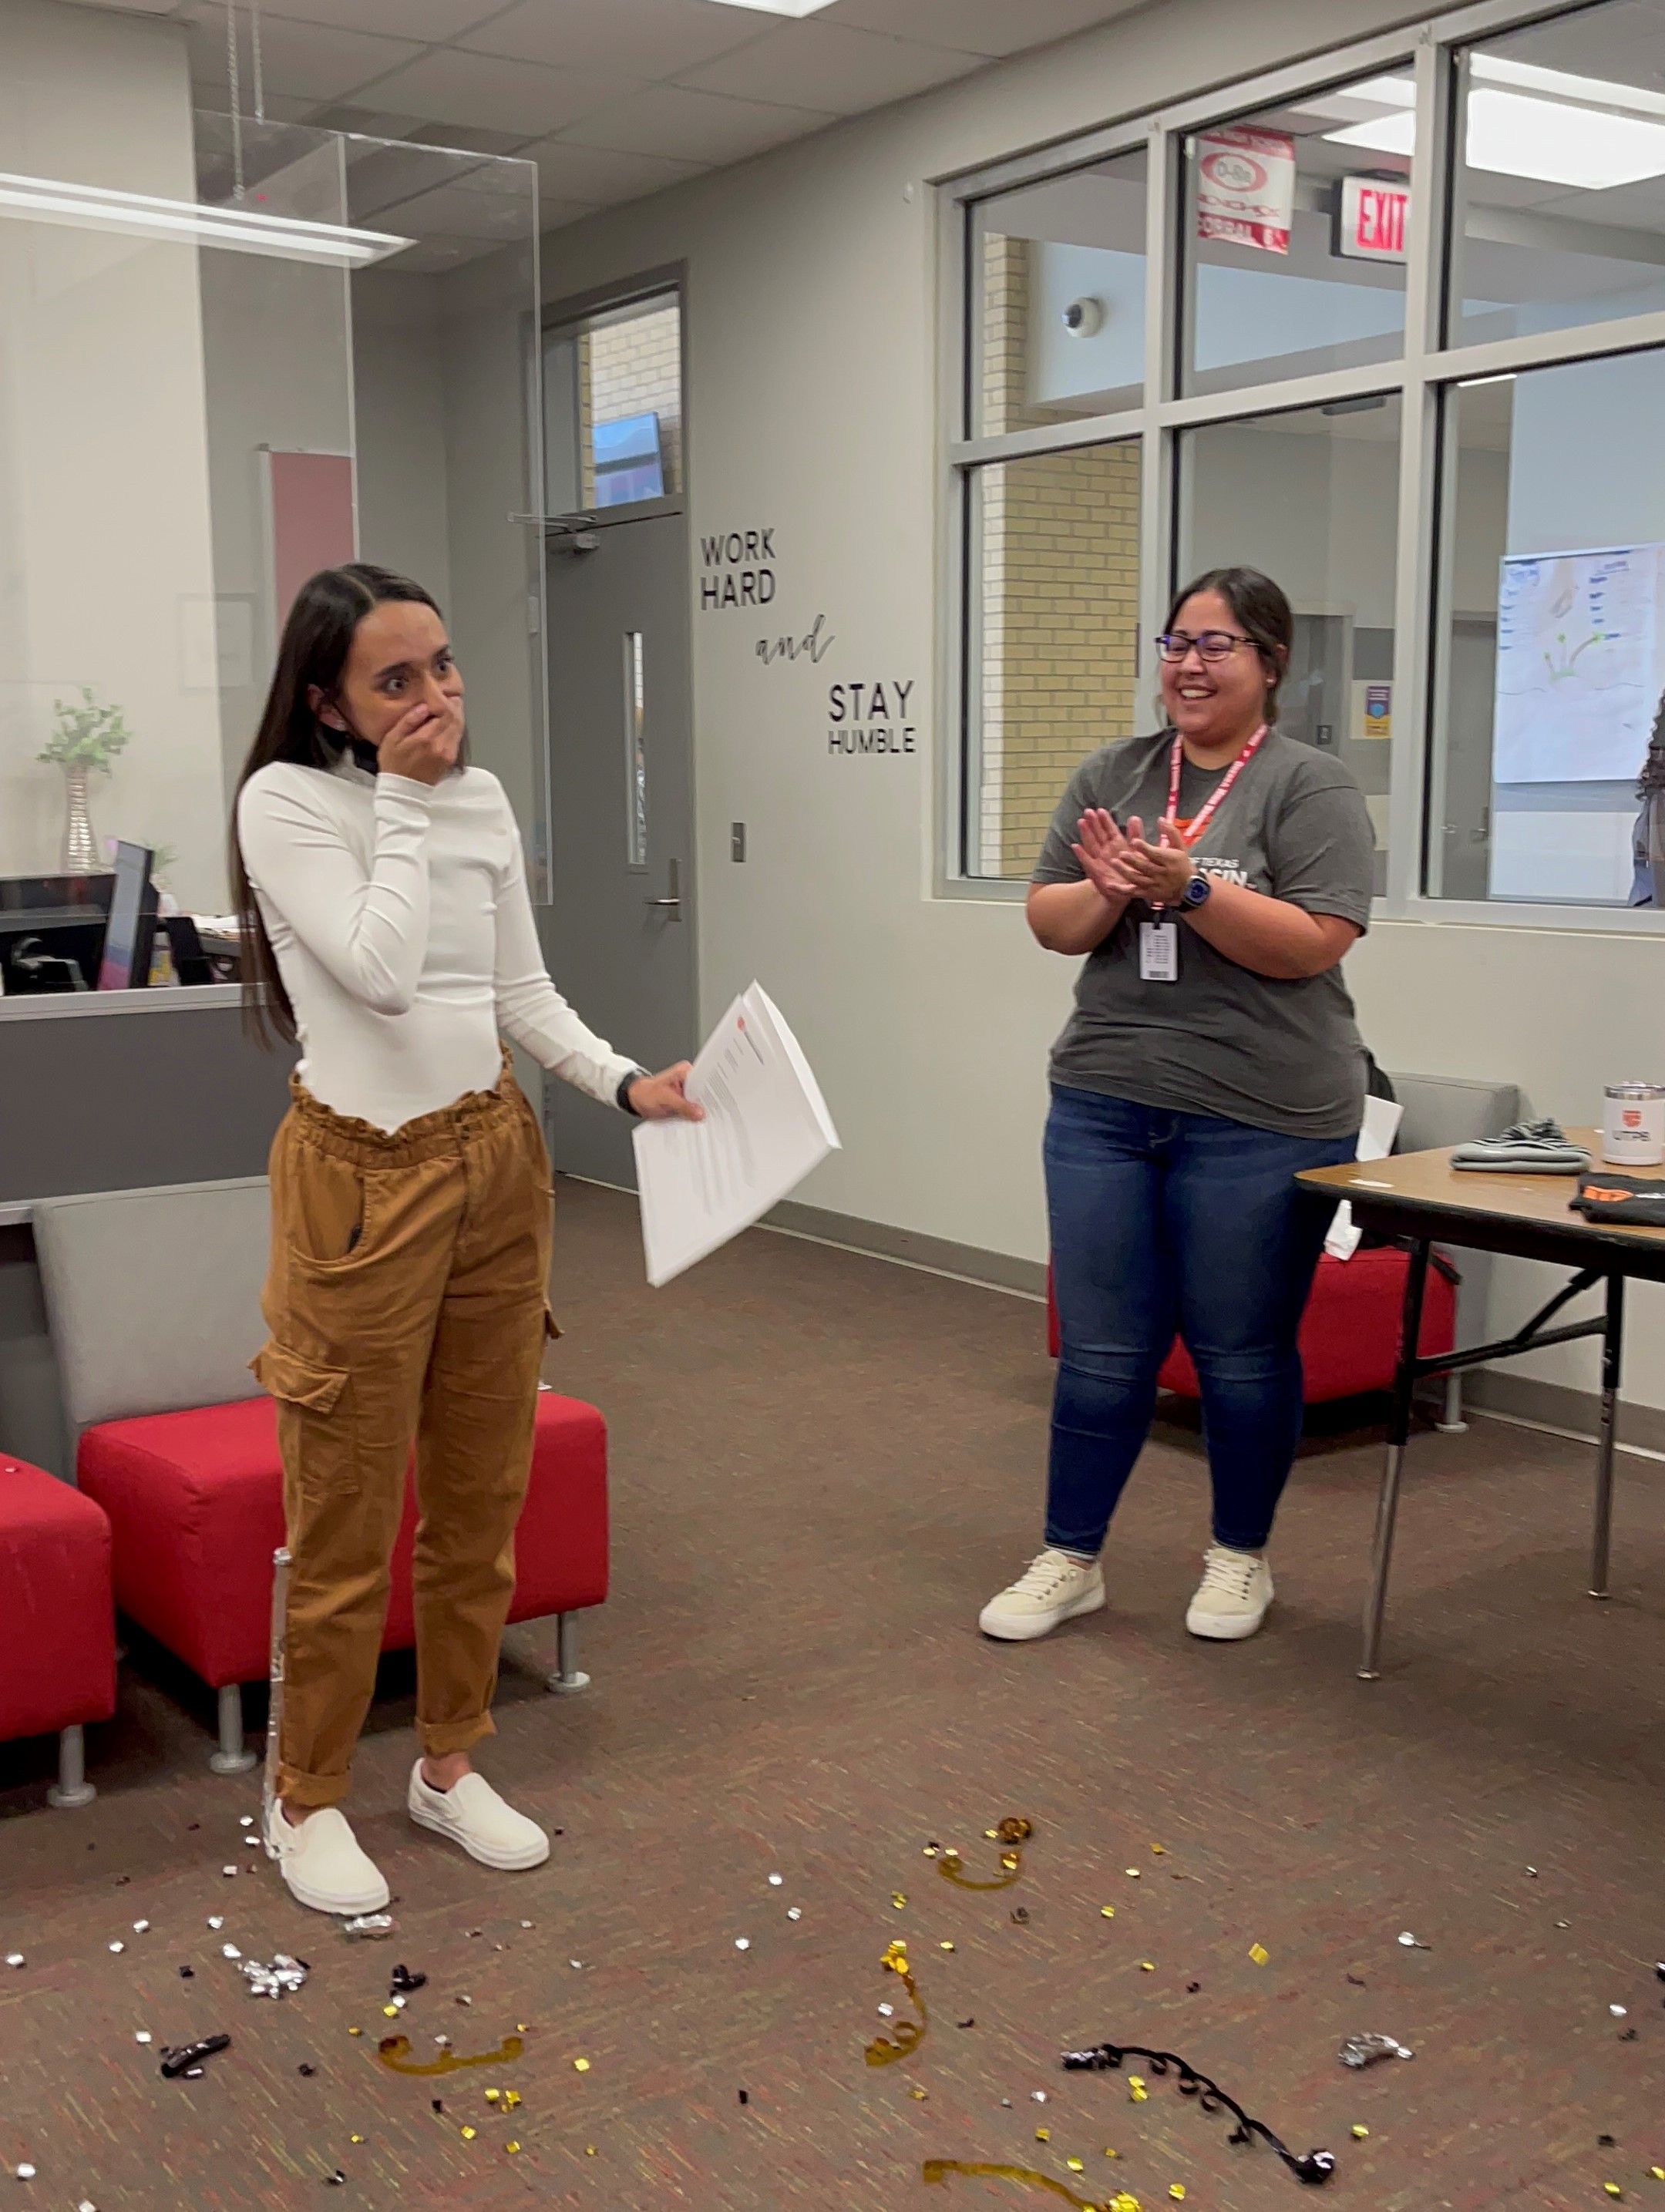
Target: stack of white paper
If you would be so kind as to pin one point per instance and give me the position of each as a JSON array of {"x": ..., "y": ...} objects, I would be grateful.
[{"x": 766, "y": 1126}]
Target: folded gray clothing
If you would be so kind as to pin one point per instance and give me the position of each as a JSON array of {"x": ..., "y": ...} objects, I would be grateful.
[{"x": 1528, "y": 1148}]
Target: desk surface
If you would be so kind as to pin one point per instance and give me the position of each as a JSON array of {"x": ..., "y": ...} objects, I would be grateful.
[{"x": 1496, "y": 1210}]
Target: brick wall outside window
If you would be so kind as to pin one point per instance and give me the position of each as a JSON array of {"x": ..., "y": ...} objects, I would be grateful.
[
  {"x": 1057, "y": 561},
  {"x": 633, "y": 366}
]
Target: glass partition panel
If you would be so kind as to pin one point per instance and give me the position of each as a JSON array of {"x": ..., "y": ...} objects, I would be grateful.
[
  {"x": 1551, "y": 636},
  {"x": 1559, "y": 191},
  {"x": 1312, "y": 498},
  {"x": 231, "y": 354},
  {"x": 1058, "y": 282},
  {"x": 1294, "y": 236},
  {"x": 1052, "y": 638}
]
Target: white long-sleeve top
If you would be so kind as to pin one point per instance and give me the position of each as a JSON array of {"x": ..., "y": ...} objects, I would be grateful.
[{"x": 402, "y": 929}]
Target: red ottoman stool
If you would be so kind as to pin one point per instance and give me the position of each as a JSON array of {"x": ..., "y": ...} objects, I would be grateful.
[
  {"x": 58, "y": 1629},
  {"x": 195, "y": 1503}
]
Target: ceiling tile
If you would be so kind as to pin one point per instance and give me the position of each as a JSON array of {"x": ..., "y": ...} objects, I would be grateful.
[
  {"x": 463, "y": 137},
  {"x": 306, "y": 59},
  {"x": 450, "y": 211},
  {"x": 694, "y": 127},
  {"x": 824, "y": 65},
  {"x": 592, "y": 172},
  {"x": 448, "y": 86},
  {"x": 983, "y": 27},
  {"x": 429, "y": 20},
  {"x": 432, "y": 257},
  {"x": 649, "y": 39}
]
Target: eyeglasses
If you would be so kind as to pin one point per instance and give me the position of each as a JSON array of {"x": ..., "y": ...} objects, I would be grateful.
[{"x": 1210, "y": 644}]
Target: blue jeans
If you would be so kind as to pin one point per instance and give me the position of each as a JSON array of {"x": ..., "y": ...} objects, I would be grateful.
[{"x": 1164, "y": 1222}]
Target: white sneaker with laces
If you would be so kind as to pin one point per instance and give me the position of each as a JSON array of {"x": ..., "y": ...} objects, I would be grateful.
[
  {"x": 1054, "y": 1587},
  {"x": 1233, "y": 1596},
  {"x": 471, "y": 1814},
  {"x": 322, "y": 1863}
]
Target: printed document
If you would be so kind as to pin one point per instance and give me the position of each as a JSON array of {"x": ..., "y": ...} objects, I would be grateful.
[{"x": 766, "y": 1126}]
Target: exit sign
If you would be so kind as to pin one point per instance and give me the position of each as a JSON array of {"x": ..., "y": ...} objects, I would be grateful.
[{"x": 1370, "y": 216}]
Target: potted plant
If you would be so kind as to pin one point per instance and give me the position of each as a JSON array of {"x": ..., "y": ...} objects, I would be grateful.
[{"x": 85, "y": 740}]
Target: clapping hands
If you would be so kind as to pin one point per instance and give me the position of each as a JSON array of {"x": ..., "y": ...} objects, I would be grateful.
[{"x": 1122, "y": 867}]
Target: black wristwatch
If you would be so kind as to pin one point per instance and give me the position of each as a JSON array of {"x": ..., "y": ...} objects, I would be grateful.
[
  {"x": 1195, "y": 893},
  {"x": 622, "y": 1094}
]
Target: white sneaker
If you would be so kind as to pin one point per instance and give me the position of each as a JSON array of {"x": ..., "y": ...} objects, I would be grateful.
[
  {"x": 1055, "y": 1588},
  {"x": 472, "y": 1814},
  {"x": 1233, "y": 1595},
  {"x": 322, "y": 1863}
]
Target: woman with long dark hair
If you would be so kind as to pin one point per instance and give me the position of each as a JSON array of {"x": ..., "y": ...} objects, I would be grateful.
[
  {"x": 389, "y": 933},
  {"x": 1213, "y": 1055}
]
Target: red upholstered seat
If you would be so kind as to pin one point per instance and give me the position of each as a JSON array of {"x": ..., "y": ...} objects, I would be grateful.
[
  {"x": 57, "y": 1628},
  {"x": 196, "y": 1502},
  {"x": 1350, "y": 1331}
]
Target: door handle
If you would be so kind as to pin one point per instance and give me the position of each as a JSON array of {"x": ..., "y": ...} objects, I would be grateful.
[{"x": 674, "y": 898}]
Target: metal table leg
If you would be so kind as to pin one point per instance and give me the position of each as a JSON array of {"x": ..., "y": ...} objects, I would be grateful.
[
  {"x": 1387, "y": 1511},
  {"x": 1612, "y": 1347}
]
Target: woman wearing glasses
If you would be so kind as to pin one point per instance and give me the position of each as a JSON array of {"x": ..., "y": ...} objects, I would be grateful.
[{"x": 1214, "y": 875}]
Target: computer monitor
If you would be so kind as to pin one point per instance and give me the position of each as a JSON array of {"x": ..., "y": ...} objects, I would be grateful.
[
  {"x": 629, "y": 460},
  {"x": 131, "y": 929}
]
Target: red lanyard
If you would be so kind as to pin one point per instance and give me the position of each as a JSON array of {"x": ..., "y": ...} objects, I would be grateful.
[{"x": 1200, "y": 821}]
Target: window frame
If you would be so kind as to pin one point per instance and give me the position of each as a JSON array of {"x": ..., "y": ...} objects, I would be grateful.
[{"x": 1421, "y": 375}]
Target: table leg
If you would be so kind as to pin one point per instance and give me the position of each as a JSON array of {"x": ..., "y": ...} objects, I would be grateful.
[
  {"x": 1387, "y": 1511},
  {"x": 1612, "y": 1345}
]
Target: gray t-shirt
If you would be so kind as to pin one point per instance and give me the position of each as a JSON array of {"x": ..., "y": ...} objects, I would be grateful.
[{"x": 1276, "y": 1055}]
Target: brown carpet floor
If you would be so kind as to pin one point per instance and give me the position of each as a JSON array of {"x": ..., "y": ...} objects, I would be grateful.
[{"x": 823, "y": 1466}]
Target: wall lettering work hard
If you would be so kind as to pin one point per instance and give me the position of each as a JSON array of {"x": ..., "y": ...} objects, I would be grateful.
[{"x": 736, "y": 569}]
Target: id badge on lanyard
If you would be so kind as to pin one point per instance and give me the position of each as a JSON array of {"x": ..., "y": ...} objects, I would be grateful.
[
  {"x": 1158, "y": 952},
  {"x": 1158, "y": 939}
]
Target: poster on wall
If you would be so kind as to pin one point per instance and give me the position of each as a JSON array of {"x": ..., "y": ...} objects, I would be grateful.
[
  {"x": 1580, "y": 637},
  {"x": 312, "y": 521},
  {"x": 1246, "y": 188}
]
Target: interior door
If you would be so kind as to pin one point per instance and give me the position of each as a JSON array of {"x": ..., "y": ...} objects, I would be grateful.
[{"x": 619, "y": 933}]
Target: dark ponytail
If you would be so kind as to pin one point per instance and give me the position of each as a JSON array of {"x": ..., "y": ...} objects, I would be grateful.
[
  {"x": 317, "y": 636},
  {"x": 1262, "y": 613}
]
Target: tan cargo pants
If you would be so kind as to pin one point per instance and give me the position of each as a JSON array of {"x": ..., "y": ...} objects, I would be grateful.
[{"x": 406, "y": 1300}]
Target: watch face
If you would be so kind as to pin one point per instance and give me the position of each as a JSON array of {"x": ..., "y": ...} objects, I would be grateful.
[{"x": 1196, "y": 891}]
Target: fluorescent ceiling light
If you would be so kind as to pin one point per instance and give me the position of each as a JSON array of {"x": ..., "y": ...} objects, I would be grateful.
[
  {"x": 1593, "y": 91},
  {"x": 1552, "y": 142},
  {"x": 241, "y": 229},
  {"x": 778, "y": 7}
]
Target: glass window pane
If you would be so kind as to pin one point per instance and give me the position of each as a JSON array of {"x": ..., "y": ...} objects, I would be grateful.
[
  {"x": 635, "y": 753},
  {"x": 1294, "y": 236},
  {"x": 1552, "y": 634},
  {"x": 1058, "y": 274},
  {"x": 1052, "y": 658},
  {"x": 1559, "y": 217},
  {"x": 1312, "y": 498},
  {"x": 612, "y": 408}
]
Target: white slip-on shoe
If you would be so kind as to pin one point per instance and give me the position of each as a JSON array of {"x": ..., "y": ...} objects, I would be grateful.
[
  {"x": 1056, "y": 1587},
  {"x": 471, "y": 1814},
  {"x": 1232, "y": 1597},
  {"x": 323, "y": 1865}
]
